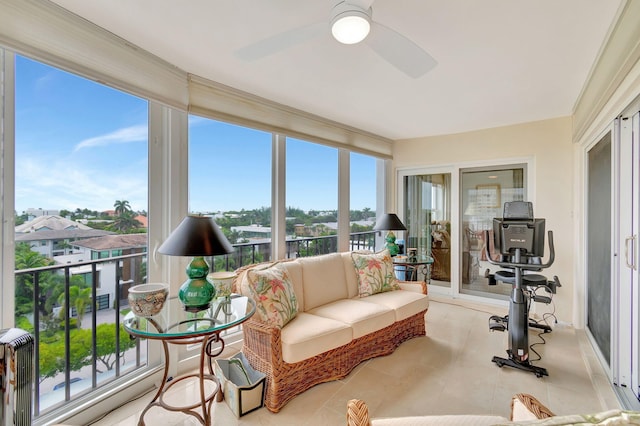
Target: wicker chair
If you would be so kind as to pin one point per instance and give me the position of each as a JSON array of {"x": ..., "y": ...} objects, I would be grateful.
[{"x": 524, "y": 407}]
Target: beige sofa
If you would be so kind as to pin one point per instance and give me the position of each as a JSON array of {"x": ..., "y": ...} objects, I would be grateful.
[
  {"x": 338, "y": 321},
  {"x": 525, "y": 410}
]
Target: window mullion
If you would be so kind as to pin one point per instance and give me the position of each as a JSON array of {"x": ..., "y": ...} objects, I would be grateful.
[
  {"x": 344, "y": 196},
  {"x": 7, "y": 184},
  {"x": 278, "y": 197}
]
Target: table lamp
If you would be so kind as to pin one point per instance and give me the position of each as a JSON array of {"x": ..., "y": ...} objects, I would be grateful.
[
  {"x": 390, "y": 222},
  {"x": 196, "y": 236}
]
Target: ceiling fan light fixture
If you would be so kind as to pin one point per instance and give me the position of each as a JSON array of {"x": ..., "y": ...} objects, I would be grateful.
[{"x": 350, "y": 24}]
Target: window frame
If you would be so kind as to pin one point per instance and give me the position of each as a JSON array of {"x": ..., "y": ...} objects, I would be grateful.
[{"x": 167, "y": 205}]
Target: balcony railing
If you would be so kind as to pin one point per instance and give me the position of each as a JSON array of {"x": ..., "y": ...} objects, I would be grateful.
[
  {"x": 256, "y": 252},
  {"x": 81, "y": 346},
  {"x": 71, "y": 357}
]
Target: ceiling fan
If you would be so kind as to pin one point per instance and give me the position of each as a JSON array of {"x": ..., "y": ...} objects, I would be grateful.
[{"x": 350, "y": 23}]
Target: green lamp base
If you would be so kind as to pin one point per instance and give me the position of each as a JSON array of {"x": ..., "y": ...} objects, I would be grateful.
[
  {"x": 197, "y": 292},
  {"x": 391, "y": 244}
]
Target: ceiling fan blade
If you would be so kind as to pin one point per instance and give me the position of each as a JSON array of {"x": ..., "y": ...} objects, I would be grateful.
[
  {"x": 281, "y": 41},
  {"x": 399, "y": 51},
  {"x": 363, "y": 4}
]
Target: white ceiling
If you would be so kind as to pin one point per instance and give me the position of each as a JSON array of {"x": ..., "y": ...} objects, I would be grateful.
[{"x": 500, "y": 62}]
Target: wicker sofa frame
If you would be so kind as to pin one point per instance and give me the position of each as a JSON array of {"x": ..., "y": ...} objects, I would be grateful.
[{"x": 263, "y": 349}]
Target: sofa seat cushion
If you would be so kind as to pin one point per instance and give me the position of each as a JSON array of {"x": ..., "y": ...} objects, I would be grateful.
[
  {"x": 363, "y": 317},
  {"x": 404, "y": 303},
  {"x": 308, "y": 335},
  {"x": 446, "y": 420}
]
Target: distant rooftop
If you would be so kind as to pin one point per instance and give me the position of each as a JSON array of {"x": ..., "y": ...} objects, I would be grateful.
[
  {"x": 252, "y": 228},
  {"x": 143, "y": 220},
  {"x": 64, "y": 234},
  {"x": 113, "y": 242},
  {"x": 49, "y": 223}
]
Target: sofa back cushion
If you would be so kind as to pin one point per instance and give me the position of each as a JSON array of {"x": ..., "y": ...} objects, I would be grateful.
[
  {"x": 350, "y": 274},
  {"x": 294, "y": 270},
  {"x": 323, "y": 279}
]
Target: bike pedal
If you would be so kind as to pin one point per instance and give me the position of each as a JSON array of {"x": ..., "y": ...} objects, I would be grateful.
[
  {"x": 542, "y": 299},
  {"x": 497, "y": 326},
  {"x": 497, "y": 323}
]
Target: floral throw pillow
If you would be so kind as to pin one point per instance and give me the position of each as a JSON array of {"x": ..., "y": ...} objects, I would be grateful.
[
  {"x": 272, "y": 290},
  {"x": 375, "y": 273}
]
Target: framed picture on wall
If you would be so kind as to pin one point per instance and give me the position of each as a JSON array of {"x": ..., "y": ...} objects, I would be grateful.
[{"x": 488, "y": 196}]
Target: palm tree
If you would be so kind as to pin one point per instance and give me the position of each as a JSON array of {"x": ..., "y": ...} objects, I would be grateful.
[
  {"x": 122, "y": 207},
  {"x": 79, "y": 299},
  {"x": 126, "y": 222}
]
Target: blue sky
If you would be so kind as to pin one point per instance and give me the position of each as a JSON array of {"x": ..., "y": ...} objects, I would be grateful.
[{"x": 83, "y": 145}]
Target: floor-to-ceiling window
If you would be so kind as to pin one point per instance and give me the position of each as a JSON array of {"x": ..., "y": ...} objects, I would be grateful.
[
  {"x": 362, "y": 203},
  {"x": 81, "y": 179},
  {"x": 230, "y": 179},
  {"x": 312, "y": 195},
  {"x": 162, "y": 165}
]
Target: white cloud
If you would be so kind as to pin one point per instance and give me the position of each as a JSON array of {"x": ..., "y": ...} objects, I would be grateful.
[
  {"x": 126, "y": 135},
  {"x": 52, "y": 184}
]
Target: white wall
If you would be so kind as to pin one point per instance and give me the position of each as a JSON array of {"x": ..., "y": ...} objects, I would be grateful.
[{"x": 549, "y": 144}]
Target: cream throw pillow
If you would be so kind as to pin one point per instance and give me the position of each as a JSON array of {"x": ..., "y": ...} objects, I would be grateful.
[
  {"x": 273, "y": 293},
  {"x": 375, "y": 273}
]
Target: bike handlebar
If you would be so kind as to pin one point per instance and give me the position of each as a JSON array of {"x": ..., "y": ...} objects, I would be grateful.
[{"x": 527, "y": 266}]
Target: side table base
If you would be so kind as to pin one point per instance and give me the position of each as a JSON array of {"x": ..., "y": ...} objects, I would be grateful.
[{"x": 193, "y": 409}]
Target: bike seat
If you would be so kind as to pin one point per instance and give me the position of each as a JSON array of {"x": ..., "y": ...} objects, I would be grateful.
[{"x": 532, "y": 280}]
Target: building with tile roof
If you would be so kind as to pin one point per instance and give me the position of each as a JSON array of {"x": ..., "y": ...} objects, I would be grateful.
[{"x": 54, "y": 235}]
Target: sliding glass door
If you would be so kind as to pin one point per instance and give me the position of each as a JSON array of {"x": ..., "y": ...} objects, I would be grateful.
[
  {"x": 483, "y": 192},
  {"x": 613, "y": 278},
  {"x": 427, "y": 216}
]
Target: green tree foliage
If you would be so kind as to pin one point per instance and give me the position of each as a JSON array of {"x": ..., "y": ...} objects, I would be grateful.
[
  {"x": 20, "y": 219},
  {"x": 25, "y": 258},
  {"x": 106, "y": 344},
  {"x": 122, "y": 207},
  {"x": 52, "y": 353},
  {"x": 84, "y": 214},
  {"x": 51, "y": 359},
  {"x": 125, "y": 223},
  {"x": 79, "y": 298}
]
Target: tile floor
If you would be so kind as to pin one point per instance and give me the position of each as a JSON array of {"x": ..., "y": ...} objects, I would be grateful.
[{"x": 447, "y": 372}]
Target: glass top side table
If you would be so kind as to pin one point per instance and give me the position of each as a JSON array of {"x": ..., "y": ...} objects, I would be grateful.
[
  {"x": 412, "y": 266},
  {"x": 173, "y": 325}
]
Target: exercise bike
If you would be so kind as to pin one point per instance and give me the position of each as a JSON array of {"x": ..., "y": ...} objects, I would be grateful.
[{"x": 519, "y": 238}]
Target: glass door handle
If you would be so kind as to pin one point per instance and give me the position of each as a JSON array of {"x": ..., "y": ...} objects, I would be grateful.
[{"x": 631, "y": 239}]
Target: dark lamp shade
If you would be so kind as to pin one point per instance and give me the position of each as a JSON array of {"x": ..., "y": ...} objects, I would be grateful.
[
  {"x": 196, "y": 236},
  {"x": 389, "y": 222}
]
